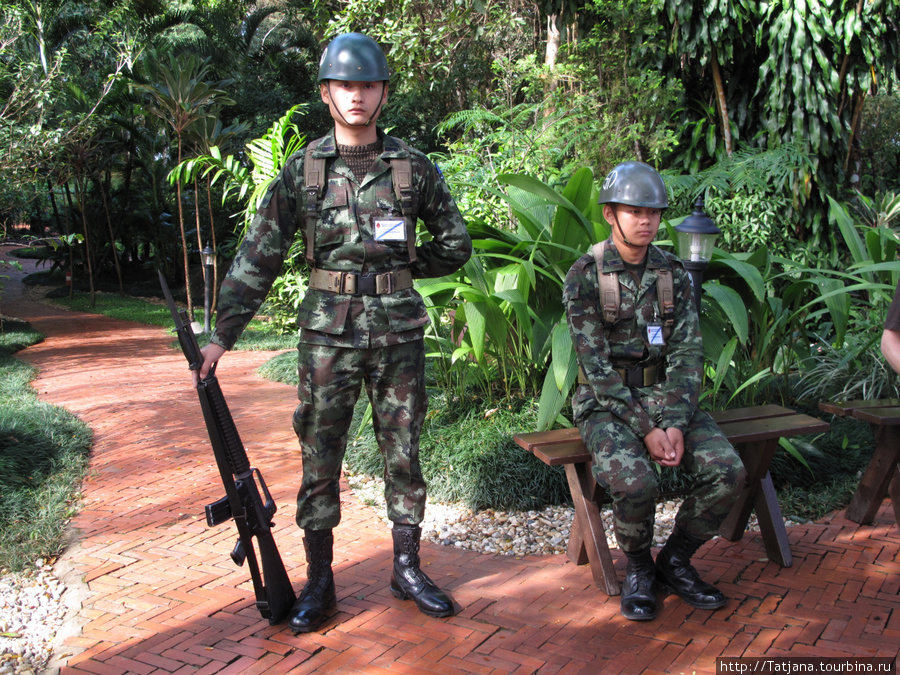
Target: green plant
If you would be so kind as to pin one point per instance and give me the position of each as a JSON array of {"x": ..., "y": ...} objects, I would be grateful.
[
  {"x": 267, "y": 155},
  {"x": 507, "y": 310},
  {"x": 851, "y": 371}
]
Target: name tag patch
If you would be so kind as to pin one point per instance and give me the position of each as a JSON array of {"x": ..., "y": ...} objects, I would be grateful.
[
  {"x": 655, "y": 334},
  {"x": 390, "y": 229}
]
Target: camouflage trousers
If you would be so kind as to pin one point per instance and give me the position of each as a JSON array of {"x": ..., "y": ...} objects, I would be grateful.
[
  {"x": 624, "y": 467},
  {"x": 330, "y": 382}
]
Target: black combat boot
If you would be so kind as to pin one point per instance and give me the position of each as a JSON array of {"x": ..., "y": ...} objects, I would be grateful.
[
  {"x": 317, "y": 596},
  {"x": 675, "y": 573},
  {"x": 408, "y": 581},
  {"x": 638, "y": 600}
]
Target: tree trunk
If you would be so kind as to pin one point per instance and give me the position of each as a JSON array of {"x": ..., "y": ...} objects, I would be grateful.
[
  {"x": 215, "y": 246},
  {"x": 550, "y": 55},
  {"x": 79, "y": 197},
  {"x": 854, "y": 128},
  {"x": 112, "y": 237},
  {"x": 71, "y": 243},
  {"x": 184, "y": 247},
  {"x": 53, "y": 203},
  {"x": 197, "y": 221},
  {"x": 722, "y": 104}
]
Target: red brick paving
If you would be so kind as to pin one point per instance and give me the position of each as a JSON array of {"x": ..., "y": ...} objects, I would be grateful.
[{"x": 162, "y": 595}]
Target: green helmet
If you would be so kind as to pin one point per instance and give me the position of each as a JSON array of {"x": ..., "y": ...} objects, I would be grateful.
[
  {"x": 635, "y": 184},
  {"x": 353, "y": 57}
]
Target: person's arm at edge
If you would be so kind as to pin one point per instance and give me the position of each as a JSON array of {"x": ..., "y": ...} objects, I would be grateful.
[{"x": 890, "y": 347}]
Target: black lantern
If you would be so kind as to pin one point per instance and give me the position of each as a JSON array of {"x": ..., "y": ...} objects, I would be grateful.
[
  {"x": 696, "y": 238},
  {"x": 208, "y": 256}
]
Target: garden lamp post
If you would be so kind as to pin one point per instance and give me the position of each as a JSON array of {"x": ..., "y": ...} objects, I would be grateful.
[
  {"x": 207, "y": 255},
  {"x": 696, "y": 237}
]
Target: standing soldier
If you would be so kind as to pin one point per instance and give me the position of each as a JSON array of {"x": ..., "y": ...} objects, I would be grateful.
[
  {"x": 355, "y": 194},
  {"x": 637, "y": 337}
]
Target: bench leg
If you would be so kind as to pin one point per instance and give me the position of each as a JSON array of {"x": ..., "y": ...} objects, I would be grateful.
[
  {"x": 895, "y": 494},
  {"x": 759, "y": 494},
  {"x": 873, "y": 486},
  {"x": 771, "y": 523},
  {"x": 588, "y": 535}
]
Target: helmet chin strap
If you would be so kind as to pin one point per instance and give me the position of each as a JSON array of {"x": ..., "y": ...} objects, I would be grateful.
[
  {"x": 622, "y": 232},
  {"x": 367, "y": 122}
]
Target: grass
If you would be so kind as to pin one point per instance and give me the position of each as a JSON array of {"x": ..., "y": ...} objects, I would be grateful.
[{"x": 43, "y": 458}]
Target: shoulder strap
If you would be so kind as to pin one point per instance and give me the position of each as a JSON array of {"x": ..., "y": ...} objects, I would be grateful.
[
  {"x": 609, "y": 286},
  {"x": 401, "y": 178},
  {"x": 610, "y": 297},
  {"x": 314, "y": 180},
  {"x": 665, "y": 294}
]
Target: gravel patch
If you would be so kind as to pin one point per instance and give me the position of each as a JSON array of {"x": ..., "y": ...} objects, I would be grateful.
[
  {"x": 516, "y": 533},
  {"x": 31, "y": 613}
]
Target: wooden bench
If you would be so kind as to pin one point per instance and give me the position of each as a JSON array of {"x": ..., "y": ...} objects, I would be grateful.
[
  {"x": 753, "y": 431},
  {"x": 882, "y": 476}
]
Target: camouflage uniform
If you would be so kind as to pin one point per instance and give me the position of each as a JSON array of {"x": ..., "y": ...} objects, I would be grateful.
[
  {"x": 614, "y": 419},
  {"x": 347, "y": 339}
]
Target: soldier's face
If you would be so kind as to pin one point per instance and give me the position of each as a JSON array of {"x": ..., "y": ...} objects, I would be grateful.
[
  {"x": 638, "y": 223},
  {"x": 356, "y": 102}
]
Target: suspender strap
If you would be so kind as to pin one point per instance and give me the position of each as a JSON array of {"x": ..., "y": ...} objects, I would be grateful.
[
  {"x": 609, "y": 286},
  {"x": 401, "y": 177},
  {"x": 665, "y": 290},
  {"x": 314, "y": 180}
]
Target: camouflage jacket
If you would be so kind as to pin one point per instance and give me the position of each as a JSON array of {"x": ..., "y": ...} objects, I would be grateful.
[
  {"x": 600, "y": 346},
  {"x": 345, "y": 242}
]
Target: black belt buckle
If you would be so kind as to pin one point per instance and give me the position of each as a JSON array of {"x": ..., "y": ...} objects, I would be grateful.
[
  {"x": 365, "y": 283},
  {"x": 634, "y": 376}
]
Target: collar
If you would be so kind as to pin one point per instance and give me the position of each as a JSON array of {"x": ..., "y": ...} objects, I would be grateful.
[
  {"x": 612, "y": 259},
  {"x": 392, "y": 147}
]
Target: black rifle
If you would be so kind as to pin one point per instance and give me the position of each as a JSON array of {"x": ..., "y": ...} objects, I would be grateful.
[{"x": 242, "y": 500}]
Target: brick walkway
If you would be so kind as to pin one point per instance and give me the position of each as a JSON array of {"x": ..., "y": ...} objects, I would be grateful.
[{"x": 161, "y": 595}]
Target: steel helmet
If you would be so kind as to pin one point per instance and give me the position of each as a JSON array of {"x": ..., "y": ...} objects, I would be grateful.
[
  {"x": 353, "y": 57},
  {"x": 634, "y": 184}
]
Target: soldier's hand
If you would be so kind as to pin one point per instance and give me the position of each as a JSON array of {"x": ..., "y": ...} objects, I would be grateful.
[
  {"x": 211, "y": 353},
  {"x": 661, "y": 449},
  {"x": 676, "y": 437}
]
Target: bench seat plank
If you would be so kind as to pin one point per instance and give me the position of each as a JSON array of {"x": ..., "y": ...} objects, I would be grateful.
[
  {"x": 751, "y": 413},
  {"x": 880, "y": 416},
  {"x": 844, "y": 408},
  {"x": 772, "y": 427}
]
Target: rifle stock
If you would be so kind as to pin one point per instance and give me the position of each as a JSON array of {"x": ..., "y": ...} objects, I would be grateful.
[{"x": 247, "y": 499}]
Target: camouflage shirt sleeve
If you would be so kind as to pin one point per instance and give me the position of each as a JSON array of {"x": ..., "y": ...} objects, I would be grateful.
[
  {"x": 449, "y": 246},
  {"x": 260, "y": 256}
]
